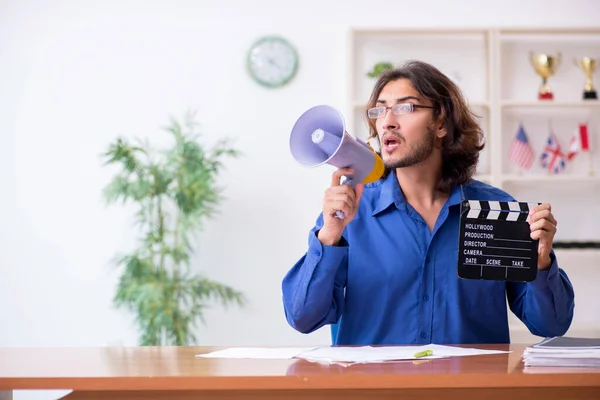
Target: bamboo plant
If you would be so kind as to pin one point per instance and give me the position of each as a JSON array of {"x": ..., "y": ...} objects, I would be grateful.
[{"x": 174, "y": 190}]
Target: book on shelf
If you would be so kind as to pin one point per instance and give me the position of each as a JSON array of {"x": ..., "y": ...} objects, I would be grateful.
[{"x": 563, "y": 351}]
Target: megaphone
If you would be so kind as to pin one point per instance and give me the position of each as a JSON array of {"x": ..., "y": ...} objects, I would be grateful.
[{"x": 319, "y": 137}]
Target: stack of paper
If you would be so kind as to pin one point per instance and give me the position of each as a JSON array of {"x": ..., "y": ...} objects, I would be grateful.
[{"x": 563, "y": 352}]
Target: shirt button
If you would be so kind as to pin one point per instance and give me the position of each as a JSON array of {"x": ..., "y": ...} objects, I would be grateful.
[
  {"x": 426, "y": 298},
  {"x": 317, "y": 253},
  {"x": 423, "y": 335}
]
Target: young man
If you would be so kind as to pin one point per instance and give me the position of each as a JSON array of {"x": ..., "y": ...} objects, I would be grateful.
[{"x": 387, "y": 273}]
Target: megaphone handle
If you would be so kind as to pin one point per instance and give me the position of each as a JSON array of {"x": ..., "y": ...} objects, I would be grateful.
[
  {"x": 345, "y": 180},
  {"x": 340, "y": 214}
]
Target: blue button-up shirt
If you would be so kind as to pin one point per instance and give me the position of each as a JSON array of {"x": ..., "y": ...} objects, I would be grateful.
[{"x": 393, "y": 281}]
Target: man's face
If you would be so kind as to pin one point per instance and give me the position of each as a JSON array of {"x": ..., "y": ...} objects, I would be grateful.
[{"x": 407, "y": 139}]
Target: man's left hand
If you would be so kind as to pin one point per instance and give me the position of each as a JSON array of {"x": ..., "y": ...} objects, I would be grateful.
[{"x": 543, "y": 227}]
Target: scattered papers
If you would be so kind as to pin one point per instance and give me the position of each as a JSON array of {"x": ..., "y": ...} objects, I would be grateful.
[
  {"x": 370, "y": 354},
  {"x": 345, "y": 354},
  {"x": 284, "y": 353},
  {"x": 563, "y": 352}
]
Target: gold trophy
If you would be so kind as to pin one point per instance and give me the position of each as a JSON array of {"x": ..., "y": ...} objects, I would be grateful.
[
  {"x": 588, "y": 65},
  {"x": 545, "y": 65}
]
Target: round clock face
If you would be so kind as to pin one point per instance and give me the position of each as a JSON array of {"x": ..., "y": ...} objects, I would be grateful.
[{"x": 272, "y": 61}]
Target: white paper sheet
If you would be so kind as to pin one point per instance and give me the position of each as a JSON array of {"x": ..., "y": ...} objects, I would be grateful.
[
  {"x": 367, "y": 354},
  {"x": 257, "y": 353},
  {"x": 343, "y": 354}
]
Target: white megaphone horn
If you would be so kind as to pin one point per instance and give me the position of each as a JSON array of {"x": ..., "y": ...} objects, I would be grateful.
[{"x": 319, "y": 137}]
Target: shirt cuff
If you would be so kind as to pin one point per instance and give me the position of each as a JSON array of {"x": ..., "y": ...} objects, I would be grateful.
[
  {"x": 545, "y": 277},
  {"x": 332, "y": 255}
]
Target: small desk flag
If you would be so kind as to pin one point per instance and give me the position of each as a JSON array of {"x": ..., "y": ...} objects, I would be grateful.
[
  {"x": 521, "y": 152},
  {"x": 579, "y": 142},
  {"x": 552, "y": 158}
]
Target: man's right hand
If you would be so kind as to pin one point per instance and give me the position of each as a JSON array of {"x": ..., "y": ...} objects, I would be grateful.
[{"x": 338, "y": 197}]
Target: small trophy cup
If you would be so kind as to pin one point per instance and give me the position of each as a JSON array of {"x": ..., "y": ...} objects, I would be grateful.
[
  {"x": 588, "y": 65},
  {"x": 545, "y": 65}
]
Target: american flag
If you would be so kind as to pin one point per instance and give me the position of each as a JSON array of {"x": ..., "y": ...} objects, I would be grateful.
[
  {"x": 552, "y": 158},
  {"x": 520, "y": 151}
]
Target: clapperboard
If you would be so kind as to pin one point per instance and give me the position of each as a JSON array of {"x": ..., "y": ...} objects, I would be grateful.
[{"x": 495, "y": 242}]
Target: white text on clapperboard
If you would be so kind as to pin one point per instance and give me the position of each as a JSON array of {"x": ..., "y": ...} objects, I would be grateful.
[{"x": 473, "y": 247}]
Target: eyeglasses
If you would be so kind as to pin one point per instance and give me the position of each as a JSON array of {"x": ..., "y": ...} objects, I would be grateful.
[{"x": 397, "y": 109}]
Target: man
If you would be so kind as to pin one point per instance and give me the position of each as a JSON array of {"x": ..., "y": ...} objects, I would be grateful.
[{"x": 386, "y": 274}]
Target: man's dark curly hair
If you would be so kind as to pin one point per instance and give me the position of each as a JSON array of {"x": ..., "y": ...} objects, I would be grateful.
[{"x": 464, "y": 137}]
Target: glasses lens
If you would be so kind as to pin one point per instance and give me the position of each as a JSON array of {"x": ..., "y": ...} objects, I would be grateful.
[
  {"x": 404, "y": 108},
  {"x": 374, "y": 113}
]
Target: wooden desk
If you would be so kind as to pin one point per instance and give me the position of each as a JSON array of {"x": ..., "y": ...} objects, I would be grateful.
[{"x": 174, "y": 373}]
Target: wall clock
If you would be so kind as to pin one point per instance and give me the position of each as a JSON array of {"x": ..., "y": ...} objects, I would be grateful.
[{"x": 272, "y": 61}]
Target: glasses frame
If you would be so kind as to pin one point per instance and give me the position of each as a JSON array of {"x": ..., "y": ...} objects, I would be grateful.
[{"x": 412, "y": 108}]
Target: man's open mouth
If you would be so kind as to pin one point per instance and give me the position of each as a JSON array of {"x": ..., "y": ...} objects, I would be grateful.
[{"x": 390, "y": 141}]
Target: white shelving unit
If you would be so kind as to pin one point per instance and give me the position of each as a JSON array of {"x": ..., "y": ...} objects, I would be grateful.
[{"x": 493, "y": 69}]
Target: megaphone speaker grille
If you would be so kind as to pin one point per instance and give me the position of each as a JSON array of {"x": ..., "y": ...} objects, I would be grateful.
[{"x": 317, "y": 135}]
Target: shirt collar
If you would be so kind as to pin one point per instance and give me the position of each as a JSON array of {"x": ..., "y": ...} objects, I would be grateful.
[
  {"x": 391, "y": 194},
  {"x": 456, "y": 196}
]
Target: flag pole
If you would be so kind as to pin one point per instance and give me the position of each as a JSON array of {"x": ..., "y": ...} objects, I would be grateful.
[
  {"x": 589, "y": 151},
  {"x": 551, "y": 133},
  {"x": 519, "y": 171}
]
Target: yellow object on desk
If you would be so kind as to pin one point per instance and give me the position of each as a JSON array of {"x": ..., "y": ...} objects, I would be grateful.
[{"x": 424, "y": 353}]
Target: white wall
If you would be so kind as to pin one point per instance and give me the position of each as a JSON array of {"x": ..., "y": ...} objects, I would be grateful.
[{"x": 74, "y": 74}]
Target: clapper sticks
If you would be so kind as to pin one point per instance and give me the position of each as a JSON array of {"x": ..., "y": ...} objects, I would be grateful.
[{"x": 495, "y": 241}]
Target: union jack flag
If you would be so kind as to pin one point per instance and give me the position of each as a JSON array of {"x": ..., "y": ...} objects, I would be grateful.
[{"x": 552, "y": 158}]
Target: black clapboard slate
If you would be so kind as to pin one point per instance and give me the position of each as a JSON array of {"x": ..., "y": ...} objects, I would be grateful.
[{"x": 495, "y": 242}]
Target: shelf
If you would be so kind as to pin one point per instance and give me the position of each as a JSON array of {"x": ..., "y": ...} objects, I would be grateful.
[
  {"x": 527, "y": 32},
  {"x": 446, "y": 32},
  {"x": 552, "y": 104},
  {"x": 475, "y": 104},
  {"x": 551, "y": 178},
  {"x": 576, "y": 245},
  {"x": 562, "y": 178},
  {"x": 589, "y": 35},
  {"x": 423, "y": 35}
]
